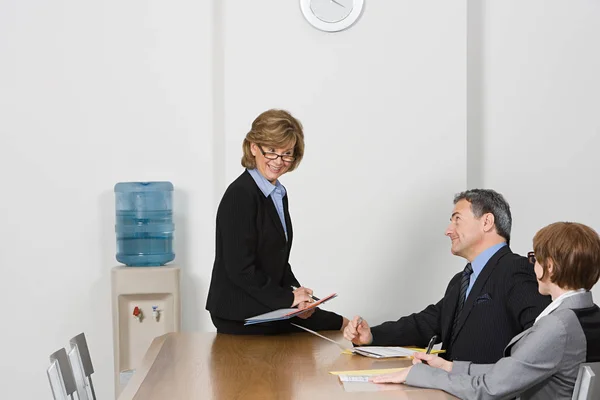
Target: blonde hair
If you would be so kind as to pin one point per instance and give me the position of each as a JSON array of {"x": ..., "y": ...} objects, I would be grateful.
[{"x": 276, "y": 129}]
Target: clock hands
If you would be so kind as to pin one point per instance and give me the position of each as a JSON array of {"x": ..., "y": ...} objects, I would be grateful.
[{"x": 339, "y": 4}]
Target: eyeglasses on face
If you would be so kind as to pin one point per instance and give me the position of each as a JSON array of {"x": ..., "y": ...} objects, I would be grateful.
[
  {"x": 531, "y": 257},
  {"x": 269, "y": 155}
]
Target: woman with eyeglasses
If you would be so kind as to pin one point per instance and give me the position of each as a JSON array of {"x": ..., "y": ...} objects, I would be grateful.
[
  {"x": 543, "y": 361},
  {"x": 251, "y": 273}
]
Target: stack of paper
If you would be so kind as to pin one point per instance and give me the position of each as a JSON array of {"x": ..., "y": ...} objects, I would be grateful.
[
  {"x": 382, "y": 352},
  {"x": 286, "y": 313},
  {"x": 372, "y": 351},
  {"x": 358, "y": 381},
  {"x": 363, "y": 375}
]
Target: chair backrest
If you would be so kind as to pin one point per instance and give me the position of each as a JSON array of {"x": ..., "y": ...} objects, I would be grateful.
[
  {"x": 56, "y": 382},
  {"x": 82, "y": 367},
  {"x": 61, "y": 376},
  {"x": 587, "y": 386},
  {"x": 83, "y": 389}
]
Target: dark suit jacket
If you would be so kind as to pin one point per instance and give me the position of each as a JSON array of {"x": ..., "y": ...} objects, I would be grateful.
[
  {"x": 251, "y": 273},
  {"x": 503, "y": 302}
]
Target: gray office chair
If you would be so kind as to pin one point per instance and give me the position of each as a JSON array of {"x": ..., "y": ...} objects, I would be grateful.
[
  {"x": 587, "y": 385},
  {"x": 60, "y": 375},
  {"x": 83, "y": 369}
]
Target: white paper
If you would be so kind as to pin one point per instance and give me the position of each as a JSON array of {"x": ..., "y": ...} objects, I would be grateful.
[
  {"x": 371, "y": 387},
  {"x": 383, "y": 352},
  {"x": 354, "y": 378},
  {"x": 286, "y": 313},
  {"x": 367, "y": 351},
  {"x": 272, "y": 315}
]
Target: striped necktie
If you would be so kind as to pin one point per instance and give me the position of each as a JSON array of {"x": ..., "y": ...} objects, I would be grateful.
[{"x": 464, "y": 284}]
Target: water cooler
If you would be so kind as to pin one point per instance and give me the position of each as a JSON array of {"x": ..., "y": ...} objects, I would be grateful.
[{"x": 146, "y": 300}]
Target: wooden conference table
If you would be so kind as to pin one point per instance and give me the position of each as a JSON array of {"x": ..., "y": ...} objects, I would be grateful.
[{"x": 183, "y": 366}]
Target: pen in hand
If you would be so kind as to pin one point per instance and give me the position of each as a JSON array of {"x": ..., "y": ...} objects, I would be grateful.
[
  {"x": 360, "y": 320},
  {"x": 429, "y": 347},
  {"x": 310, "y": 295}
]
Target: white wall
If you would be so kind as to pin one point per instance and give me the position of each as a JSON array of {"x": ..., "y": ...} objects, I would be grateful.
[
  {"x": 534, "y": 67},
  {"x": 93, "y": 94},
  {"x": 384, "y": 110}
]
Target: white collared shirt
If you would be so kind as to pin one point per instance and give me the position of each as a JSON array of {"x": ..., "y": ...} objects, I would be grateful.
[{"x": 557, "y": 302}]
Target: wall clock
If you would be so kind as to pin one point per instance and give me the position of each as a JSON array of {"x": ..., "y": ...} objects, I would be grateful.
[{"x": 331, "y": 15}]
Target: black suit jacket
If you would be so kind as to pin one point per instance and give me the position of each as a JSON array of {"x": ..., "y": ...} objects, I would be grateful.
[
  {"x": 503, "y": 302},
  {"x": 251, "y": 273}
]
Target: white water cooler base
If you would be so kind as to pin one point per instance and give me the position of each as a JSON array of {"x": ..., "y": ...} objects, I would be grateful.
[{"x": 146, "y": 304}]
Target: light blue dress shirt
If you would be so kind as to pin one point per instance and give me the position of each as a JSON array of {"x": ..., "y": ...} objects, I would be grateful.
[
  {"x": 276, "y": 191},
  {"x": 480, "y": 261}
]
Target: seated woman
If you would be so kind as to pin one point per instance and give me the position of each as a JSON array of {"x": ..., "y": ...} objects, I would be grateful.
[
  {"x": 251, "y": 273},
  {"x": 543, "y": 361}
]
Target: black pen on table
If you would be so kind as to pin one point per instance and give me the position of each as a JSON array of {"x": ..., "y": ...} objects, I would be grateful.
[
  {"x": 310, "y": 295},
  {"x": 429, "y": 347}
]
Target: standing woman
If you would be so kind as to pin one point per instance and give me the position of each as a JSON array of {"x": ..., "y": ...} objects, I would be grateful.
[{"x": 251, "y": 273}]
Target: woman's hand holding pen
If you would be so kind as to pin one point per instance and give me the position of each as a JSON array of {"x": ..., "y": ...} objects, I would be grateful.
[
  {"x": 301, "y": 295},
  {"x": 302, "y": 299},
  {"x": 430, "y": 359},
  {"x": 358, "y": 331},
  {"x": 433, "y": 361}
]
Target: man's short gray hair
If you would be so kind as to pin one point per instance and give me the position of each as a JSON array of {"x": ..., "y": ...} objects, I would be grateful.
[{"x": 485, "y": 201}]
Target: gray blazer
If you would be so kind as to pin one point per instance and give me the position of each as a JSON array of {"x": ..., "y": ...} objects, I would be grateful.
[{"x": 542, "y": 362}]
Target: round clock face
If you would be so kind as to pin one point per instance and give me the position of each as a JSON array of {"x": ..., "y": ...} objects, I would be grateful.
[{"x": 331, "y": 15}]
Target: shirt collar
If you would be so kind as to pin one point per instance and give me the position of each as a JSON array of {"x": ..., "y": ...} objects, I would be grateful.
[
  {"x": 557, "y": 302},
  {"x": 483, "y": 258},
  {"x": 264, "y": 185}
]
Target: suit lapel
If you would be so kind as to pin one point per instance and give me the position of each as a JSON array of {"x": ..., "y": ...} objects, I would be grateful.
[
  {"x": 515, "y": 340},
  {"x": 288, "y": 220},
  {"x": 479, "y": 284},
  {"x": 448, "y": 314}
]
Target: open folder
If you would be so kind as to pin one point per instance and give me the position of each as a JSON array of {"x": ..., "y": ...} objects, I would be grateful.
[
  {"x": 372, "y": 351},
  {"x": 286, "y": 313}
]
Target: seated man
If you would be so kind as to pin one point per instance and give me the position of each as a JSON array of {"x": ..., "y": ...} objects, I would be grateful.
[
  {"x": 492, "y": 300},
  {"x": 543, "y": 361}
]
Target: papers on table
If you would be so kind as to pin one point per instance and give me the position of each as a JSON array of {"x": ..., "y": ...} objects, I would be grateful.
[
  {"x": 286, "y": 313},
  {"x": 354, "y": 378},
  {"x": 382, "y": 352},
  {"x": 358, "y": 380},
  {"x": 389, "y": 351},
  {"x": 367, "y": 351},
  {"x": 348, "y": 376},
  {"x": 371, "y": 387}
]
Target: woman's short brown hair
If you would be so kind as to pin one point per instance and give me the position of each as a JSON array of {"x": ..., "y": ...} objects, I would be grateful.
[
  {"x": 573, "y": 249},
  {"x": 274, "y": 128}
]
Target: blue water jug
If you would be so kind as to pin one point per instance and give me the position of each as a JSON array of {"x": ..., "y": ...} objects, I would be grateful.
[{"x": 144, "y": 223}]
